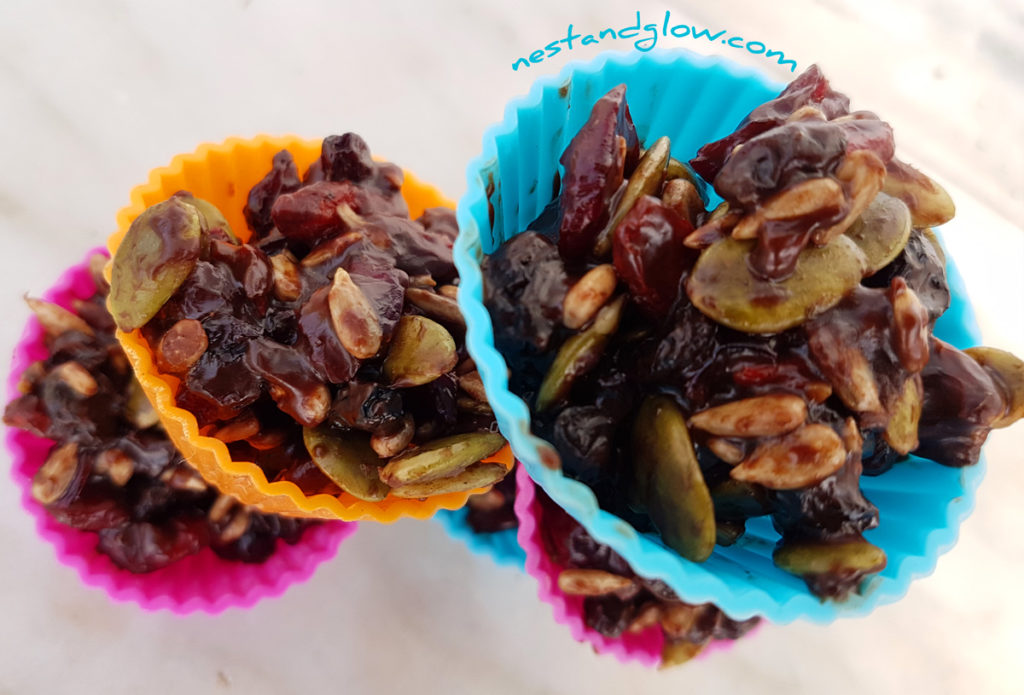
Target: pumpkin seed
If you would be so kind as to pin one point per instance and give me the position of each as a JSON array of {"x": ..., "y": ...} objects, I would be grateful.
[
  {"x": 211, "y": 214},
  {"x": 441, "y": 458},
  {"x": 723, "y": 287},
  {"x": 881, "y": 231},
  {"x": 646, "y": 180},
  {"x": 421, "y": 350},
  {"x": 347, "y": 459},
  {"x": 1008, "y": 371},
  {"x": 809, "y": 558},
  {"x": 155, "y": 257},
  {"x": 476, "y": 476},
  {"x": 667, "y": 480},
  {"x": 578, "y": 355}
]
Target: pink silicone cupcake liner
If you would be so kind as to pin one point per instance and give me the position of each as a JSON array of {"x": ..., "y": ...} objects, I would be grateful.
[
  {"x": 644, "y": 647},
  {"x": 201, "y": 582}
]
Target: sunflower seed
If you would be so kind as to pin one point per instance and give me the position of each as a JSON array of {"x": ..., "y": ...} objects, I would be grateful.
[
  {"x": 761, "y": 416},
  {"x": 802, "y": 458},
  {"x": 588, "y": 295},
  {"x": 591, "y": 582}
]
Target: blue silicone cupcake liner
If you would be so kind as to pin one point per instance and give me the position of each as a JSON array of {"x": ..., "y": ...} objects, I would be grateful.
[
  {"x": 501, "y": 546},
  {"x": 694, "y": 100}
]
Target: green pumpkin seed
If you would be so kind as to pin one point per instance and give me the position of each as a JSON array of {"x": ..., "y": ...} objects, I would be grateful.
[
  {"x": 667, "y": 479},
  {"x": 421, "y": 350},
  {"x": 210, "y": 213},
  {"x": 156, "y": 255},
  {"x": 578, "y": 355},
  {"x": 441, "y": 458},
  {"x": 347, "y": 459},
  {"x": 881, "y": 231},
  {"x": 646, "y": 180},
  {"x": 476, "y": 476},
  {"x": 722, "y": 286},
  {"x": 904, "y": 416},
  {"x": 1008, "y": 371},
  {"x": 848, "y": 557}
]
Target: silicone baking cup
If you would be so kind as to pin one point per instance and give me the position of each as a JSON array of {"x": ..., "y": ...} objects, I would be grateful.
[
  {"x": 223, "y": 175},
  {"x": 501, "y": 546},
  {"x": 694, "y": 100},
  {"x": 644, "y": 647},
  {"x": 201, "y": 582}
]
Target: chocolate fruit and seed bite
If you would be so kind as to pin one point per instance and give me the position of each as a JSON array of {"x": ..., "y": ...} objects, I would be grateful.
[
  {"x": 112, "y": 470},
  {"x": 328, "y": 348},
  {"x": 617, "y": 601},
  {"x": 699, "y": 368}
]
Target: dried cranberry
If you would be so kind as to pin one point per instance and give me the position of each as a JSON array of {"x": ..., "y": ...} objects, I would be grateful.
[
  {"x": 594, "y": 169},
  {"x": 416, "y": 250},
  {"x": 146, "y": 547},
  {"x": 433, "y": 406},
  {"x": 650, "y": 256},
  {"x": 346, "y": 158},
  {"x": 779, "y": 158},
  {"x": 283, "y": 178},
  {"x": 810, "y": 88},
  {"x": 294, "y": 385},
  {"x": 366, "y": 406},
  {"x": 525, "y": 285},
  {"x": 249, "y": 266},
  {"x": 311, "y": 212}
]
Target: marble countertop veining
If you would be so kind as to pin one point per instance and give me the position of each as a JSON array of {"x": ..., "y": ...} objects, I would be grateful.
[{"x": 95, "y": 94}]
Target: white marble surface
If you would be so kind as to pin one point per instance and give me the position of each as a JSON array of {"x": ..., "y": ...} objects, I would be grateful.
[{"x": 94, "y": 94}]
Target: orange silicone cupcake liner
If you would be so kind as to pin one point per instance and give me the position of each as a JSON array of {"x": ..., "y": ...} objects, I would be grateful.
[{"x": 223, "y": 175}]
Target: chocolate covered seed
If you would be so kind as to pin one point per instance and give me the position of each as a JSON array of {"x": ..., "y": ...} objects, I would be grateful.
[
  {"x": 800, "y": 459},
  {"x": 435, "y": 305},
  {"x": 761, "y": 416},
  {"x": 353, "y": 318},
  {"x": 588, "y": 295}
]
